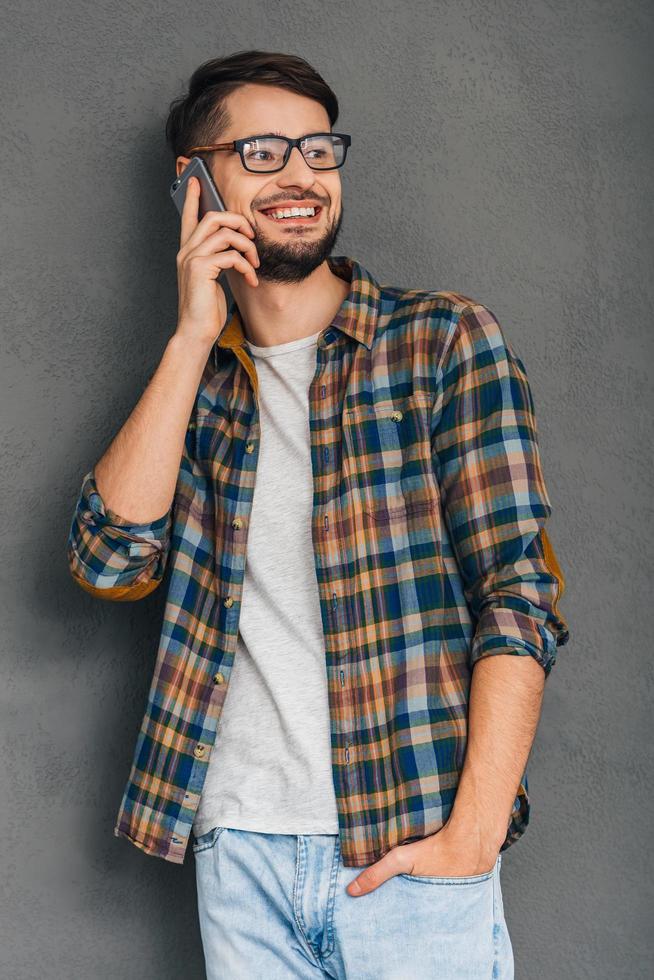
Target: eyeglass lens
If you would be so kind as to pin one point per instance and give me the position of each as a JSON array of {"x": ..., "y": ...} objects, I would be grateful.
[{"x": 320, "y": 152}]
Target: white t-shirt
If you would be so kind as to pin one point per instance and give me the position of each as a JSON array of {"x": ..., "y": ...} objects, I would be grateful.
[{"x": 271, "y": 766}]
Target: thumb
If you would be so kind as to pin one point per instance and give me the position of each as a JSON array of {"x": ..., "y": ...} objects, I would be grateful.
[{"x": 376, "y": 874}]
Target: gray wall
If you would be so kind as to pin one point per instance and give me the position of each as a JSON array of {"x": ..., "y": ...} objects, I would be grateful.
[{"x": 516, "y": 168}]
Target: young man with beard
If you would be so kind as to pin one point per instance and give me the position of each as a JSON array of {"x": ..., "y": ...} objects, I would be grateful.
[{"x": 344, "y": 719}]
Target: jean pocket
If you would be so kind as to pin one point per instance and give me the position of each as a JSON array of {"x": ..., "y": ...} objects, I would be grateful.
[
  {"x": 449, "y": 880},
  {"x": 206, "y": 841}
]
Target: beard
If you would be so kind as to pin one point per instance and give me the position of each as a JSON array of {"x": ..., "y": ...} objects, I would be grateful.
[{"x": 295, "y": 257}]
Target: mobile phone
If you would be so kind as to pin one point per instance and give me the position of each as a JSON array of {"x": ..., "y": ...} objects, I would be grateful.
[{"x": 210, "y": 199}]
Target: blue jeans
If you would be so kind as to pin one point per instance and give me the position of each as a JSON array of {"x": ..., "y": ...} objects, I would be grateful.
[{"x": 274, "y": 907}]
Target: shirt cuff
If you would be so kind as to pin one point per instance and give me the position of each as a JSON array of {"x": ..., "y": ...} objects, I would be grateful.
[
  {"x": 505, "y": 630},
  {"x": 94, "y": 509}
]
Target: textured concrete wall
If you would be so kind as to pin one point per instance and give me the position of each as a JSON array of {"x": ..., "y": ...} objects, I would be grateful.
[{"x": 516, "y": 168}]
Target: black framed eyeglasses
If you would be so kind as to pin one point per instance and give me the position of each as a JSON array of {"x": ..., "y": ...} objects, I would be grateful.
[{"x": 269, "y": 152}]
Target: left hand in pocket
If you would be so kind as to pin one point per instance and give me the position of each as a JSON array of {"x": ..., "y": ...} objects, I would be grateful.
[{"x": 447, "y": 853}]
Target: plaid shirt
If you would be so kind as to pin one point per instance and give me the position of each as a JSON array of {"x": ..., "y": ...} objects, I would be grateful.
[{"x": 429, "y": 548}]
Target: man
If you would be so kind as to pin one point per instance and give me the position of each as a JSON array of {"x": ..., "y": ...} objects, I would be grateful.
[{"x": 345, "y": 720}]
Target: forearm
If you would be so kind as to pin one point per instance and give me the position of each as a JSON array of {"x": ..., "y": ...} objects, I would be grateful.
[
  {"x": 504, "y": 708},
  {"x": 138, "y": 473}
]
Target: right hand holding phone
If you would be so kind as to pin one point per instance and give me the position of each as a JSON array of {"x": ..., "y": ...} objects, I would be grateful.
[{"x": 219, "y": 240}]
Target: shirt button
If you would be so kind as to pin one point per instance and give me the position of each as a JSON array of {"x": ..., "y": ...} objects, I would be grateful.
[
  {"x": 396, "y": 416},
  {"x": 199, "y": 750},
  {"x": 218, "y": 678},
  {"x": 237, "y": 523},
  {"x": 228, "y": 601},
  {"x": 249, "y": 448}
]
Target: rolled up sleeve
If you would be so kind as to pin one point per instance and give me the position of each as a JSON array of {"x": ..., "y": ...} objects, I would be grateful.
[
  {"x": 495, "y": 502},
  {"x": 111, "y": 557}
]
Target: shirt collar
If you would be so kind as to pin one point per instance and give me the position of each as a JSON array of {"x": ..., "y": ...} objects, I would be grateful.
[{"x": 357, "y": 315}]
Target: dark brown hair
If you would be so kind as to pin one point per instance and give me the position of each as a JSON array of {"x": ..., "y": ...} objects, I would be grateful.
[{"x": 199, "y": 117}]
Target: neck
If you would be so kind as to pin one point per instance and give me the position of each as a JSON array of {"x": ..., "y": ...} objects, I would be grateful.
[{"x": 277, "y": 313}]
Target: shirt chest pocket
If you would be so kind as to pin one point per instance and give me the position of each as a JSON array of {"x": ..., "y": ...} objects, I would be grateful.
[{"x": 387, "y": 461}]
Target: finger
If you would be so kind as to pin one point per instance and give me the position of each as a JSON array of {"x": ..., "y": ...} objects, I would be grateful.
[
  {"x": 373, "y": 876},
  {"x": 191, "y": 223},
  {"x": 231, "y": 259},
  {"x": 227, "y": 236},
  {"x": 213, "y": 221},
  {"x": 244, "y": 225}
]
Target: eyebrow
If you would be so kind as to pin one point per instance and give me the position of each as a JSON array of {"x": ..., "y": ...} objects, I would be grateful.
[
  {"x": 276, "y": 133},
  {"x": 269, "y": 133}
]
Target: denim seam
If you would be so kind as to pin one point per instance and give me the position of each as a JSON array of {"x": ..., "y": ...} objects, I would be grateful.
[
  {"x": 300, "y": 876},
  {"x": 331, "y": 900},
  {"x": 432, "y": 880},
  {"x": 496, "y": 924}
]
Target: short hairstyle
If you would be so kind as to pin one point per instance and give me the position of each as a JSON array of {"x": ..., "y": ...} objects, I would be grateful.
[{"x": 199, "y": 117}]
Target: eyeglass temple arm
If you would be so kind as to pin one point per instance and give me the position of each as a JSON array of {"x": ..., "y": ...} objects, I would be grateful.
[{"x": 217, "y": 146}]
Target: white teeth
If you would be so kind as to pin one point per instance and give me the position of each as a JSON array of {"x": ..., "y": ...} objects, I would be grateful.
[{"x": 293, "y": 212}]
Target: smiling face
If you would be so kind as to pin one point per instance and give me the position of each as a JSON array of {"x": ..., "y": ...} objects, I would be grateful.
[{"x": 289, "y": 249}]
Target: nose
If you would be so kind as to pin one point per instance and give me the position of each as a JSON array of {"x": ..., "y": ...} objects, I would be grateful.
[{"x": 296, "y": 165}]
